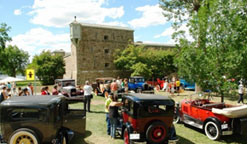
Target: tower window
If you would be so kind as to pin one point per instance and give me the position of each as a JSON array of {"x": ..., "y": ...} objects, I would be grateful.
[
  {"x": 107, "y": 51},
  {"x": 106, "y": 37},
  {"x": 107, "y": 65}
]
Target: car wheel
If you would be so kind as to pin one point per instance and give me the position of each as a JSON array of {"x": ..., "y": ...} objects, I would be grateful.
[
  {"x": 62, "y": 138},
  {"x": 24, "y": 136},
  {"x": 156, "y": 133},
  {"x": 212, "y": 130},
  {"x": 176, "y": 119},
  {"x": 127, "y": 137},
  {"x": 139, "y": 90}
]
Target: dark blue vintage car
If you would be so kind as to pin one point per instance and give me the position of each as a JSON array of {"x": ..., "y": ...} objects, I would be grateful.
[{"x": 137, "y": 84}]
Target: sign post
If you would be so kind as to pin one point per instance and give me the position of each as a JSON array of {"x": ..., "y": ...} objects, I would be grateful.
[{"x": 30, "y": 75}]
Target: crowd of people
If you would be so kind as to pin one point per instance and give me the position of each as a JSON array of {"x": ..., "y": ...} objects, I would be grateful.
[
  {"x": 170, "y": 85},
  {"x": 9, "y": 90}
]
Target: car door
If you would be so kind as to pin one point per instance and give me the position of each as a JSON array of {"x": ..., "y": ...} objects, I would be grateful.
[{"x": 74, "y": 115}]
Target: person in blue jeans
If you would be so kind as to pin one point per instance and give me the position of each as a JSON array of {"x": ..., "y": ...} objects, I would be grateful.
[
  {"x": 113, "y": 115},
  {"x": 107, "y": 103}
]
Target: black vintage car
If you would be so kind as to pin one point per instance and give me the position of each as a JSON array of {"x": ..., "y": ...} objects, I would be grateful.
[
  {"x": 148, "y": 117},
  {"x": 42, "y": 119}
]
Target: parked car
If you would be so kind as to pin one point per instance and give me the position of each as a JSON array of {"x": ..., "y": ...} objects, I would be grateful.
[
  {"x": 138, "y": 84},
  {"x": 41, "y": 119},
  {"x": 215, "y": 119},
  {"x": 70, "y": 91},
  {"x": 68, "y": 88},
  {"x": 101, "y": 85},
  {"x": 148, "y": 117},
  {"x": 186, "y": 85}
]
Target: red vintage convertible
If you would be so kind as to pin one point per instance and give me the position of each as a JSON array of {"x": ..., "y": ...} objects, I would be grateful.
[{"x": 214, "y": 118}]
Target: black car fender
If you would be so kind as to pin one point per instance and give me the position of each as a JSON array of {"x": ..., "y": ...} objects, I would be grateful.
[
  {"x": 129, "y": 127},
  {"x": 214, "y": 119}
]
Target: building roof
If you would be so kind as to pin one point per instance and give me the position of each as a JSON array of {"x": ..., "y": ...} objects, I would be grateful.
[
  {"x": 61, "y": 50},
  {"x": 106, "y": 26},
  {"x": 155, "y": 44},
  {"x": 150, "y": 98},
  {"x": 32, "y": 100}
]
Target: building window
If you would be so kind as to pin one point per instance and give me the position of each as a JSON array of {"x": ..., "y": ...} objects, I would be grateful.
[
  {"x": 107, "y": 51},
  {"x": 107, "y": 65},
  {"x": 106, "y": 37}
]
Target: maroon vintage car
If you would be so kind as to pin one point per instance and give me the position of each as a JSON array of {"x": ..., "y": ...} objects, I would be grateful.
[
  {"x": 215, "y": 119},
  {"x": 148, "y": 117}
]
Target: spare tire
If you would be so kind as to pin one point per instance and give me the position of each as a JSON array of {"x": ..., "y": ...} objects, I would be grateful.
[{"x": 157, "y": 133}]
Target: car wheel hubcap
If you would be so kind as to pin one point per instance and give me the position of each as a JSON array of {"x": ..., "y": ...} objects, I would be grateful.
[
  {"x": 24, "y": 140},
  {"x": 212, "y": 131},
  {"x": 158, "y": 134}
]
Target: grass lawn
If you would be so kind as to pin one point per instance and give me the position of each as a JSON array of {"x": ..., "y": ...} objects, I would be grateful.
[{"x": 96, "y": 127}]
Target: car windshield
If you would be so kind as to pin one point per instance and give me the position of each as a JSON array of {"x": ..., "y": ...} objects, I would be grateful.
[
  {"x": 140, "y": 80},
  {"x": 133, "y": 80}
]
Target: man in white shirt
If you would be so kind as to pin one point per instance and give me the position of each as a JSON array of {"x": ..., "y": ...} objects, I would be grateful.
[
  {"x": 88, "y": 94},
  {"x": 29, "y": 89},
  {"x": 240, "y": 92}
]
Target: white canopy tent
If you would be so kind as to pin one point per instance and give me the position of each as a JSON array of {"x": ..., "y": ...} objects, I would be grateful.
[{"x": 10, "y": 79}]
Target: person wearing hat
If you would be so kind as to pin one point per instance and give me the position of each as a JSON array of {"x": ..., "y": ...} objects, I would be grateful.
[
  {"x": 25, "y": 92},
  {"x": 88, "y": 94}
]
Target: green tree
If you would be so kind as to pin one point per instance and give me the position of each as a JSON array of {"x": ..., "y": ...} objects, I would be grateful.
[
  {"x": 15, "y": 60},
  {"x": 48, "y": 67},
  {"x": 146, "y": 62},
  {"x": 4, "y": 37},
  {"x": 218, "y": 51}
]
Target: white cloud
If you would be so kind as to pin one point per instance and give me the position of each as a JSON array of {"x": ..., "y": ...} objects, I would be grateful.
[
  {"x": 169, "y": 31},
  {"x": 36, "y": 40},
  {"x": 151, "y": 16},
  {"x": 17, "y": 12},
  {"x": 59, "y": 13}
]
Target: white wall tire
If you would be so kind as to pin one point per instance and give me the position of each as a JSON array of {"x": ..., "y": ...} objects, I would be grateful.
[
  {"x": 64, "y": 140},
  {"x": 212, "y": 130},
  {"x": 26, "y": 136}
]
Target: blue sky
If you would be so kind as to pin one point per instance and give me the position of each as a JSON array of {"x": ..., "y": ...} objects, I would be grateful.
[{"x": 44, "y": 24}]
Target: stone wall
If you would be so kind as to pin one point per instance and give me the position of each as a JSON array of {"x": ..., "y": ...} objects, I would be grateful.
[{"x": 94, "y": 53}]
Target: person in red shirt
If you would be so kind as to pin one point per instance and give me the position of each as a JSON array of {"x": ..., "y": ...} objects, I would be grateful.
[
  {"x": 54, "y": 91},
  {"x": 43, "y": 91}
]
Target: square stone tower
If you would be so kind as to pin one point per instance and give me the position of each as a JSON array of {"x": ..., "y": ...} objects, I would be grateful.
[{"x": 92, "y": 51}]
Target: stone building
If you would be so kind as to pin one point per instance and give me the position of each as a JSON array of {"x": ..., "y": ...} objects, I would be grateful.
[{"x": 92, "y": 49}]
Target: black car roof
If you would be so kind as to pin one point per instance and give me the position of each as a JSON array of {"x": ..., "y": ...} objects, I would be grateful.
[
  {"x": 32, "y": 100},
  {"x": 142, "y": 98}
]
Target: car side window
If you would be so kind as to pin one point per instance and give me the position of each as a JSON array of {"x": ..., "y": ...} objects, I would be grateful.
[
  {"x": 132, "y": 80},
  {"x": 26, "y": 114}
]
